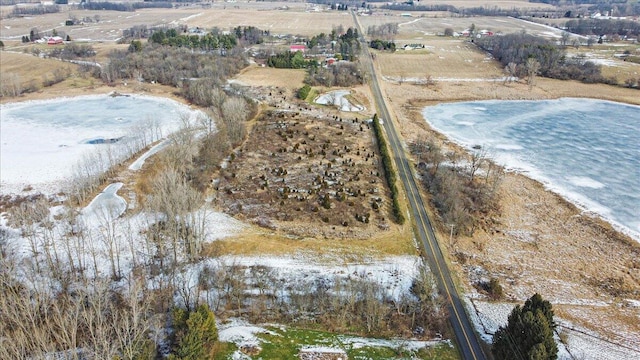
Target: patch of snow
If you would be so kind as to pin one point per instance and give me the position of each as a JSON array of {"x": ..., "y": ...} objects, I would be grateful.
[
  {"x": 137, "y": 164},
  {"x": 395, "y": 274},
  {"x": 240, "y": 332}
]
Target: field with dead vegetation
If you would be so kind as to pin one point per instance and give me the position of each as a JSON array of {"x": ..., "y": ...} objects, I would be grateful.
[{"x": 304, "y": 169}]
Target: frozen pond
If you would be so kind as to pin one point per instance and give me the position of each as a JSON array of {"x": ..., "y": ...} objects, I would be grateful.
[
  {"x": 42, "y": 141},
  {"x": 586, "y": 150},
  {"x": 337, "y": 98}
]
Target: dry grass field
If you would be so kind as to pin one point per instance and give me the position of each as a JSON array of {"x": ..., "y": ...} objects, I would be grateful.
[
  {"x": 442, "y": 58},
  {"x": 266, "y": 76},
  {"x": 425, "y": 24}
]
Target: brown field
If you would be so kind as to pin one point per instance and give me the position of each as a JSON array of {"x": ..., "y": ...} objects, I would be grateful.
[
  {"x": 301, "y": 167},
  {"x": 442, "y": 59},
  {"x": 422, "y": 25},
  {"x": 266, "y": 76}
]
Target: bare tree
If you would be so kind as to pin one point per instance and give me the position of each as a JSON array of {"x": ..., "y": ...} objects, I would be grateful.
[
  {"x": 234, "y": 113},
  {"x": 532, "y": 66}
]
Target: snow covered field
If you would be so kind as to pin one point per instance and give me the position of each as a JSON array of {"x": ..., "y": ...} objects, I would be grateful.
[
  {"x": 42, "y": 141},
  {"x": 585, "y": 150}
]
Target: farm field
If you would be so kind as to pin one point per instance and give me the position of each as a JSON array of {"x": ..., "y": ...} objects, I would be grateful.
[{"x": 443, "y": 59}]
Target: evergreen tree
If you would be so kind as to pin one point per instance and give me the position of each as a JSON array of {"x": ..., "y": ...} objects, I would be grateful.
[
  {"x": 528, "y": 334},
  {"x": 195, "y": 334}
]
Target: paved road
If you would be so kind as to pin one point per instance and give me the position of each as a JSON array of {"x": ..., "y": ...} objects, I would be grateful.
[{"x": 467, "y": 339}]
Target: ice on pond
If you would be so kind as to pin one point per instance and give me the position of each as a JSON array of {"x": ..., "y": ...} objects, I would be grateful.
[
  {"x": 586, "y": 150},
  {"x": 42, "y": 141},
  {"x": 337, "y": 98}
]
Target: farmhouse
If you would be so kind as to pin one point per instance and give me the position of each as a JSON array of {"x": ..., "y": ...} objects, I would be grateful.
[
  {"x": 296, "y": 48},
  {"x": 55, "y": 40}
]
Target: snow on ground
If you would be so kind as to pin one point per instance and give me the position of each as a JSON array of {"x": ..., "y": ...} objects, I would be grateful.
[
  {"x": 487, "y": 317},
  {"x": 337, "y": 98},
  {"x": 395, "y": 273},
  {"x": 137, "y": 164},
  {"x": 107, "y": 205},
  {"x": 242, "y": 333}
]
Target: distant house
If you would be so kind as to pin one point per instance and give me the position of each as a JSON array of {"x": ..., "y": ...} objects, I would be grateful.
[
  {"x": 296, "y": 48},
  {"x": 413, "y": 46},
  {"x": 55, "y": 40}
]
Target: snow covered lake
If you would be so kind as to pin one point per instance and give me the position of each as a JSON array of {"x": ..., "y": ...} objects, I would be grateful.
[
  {"x": 586, "y": 150},
  {"x": 41, "y": 141}
]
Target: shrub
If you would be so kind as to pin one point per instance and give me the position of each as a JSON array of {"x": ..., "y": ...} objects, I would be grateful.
[
  {"x": 304, "y": 91},
  {"x": 195, "y": 333},
  {"x": 529, "y": 332}
]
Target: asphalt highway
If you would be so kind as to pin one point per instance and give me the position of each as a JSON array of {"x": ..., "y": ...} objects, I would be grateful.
[{"x": 467, "y": 340}]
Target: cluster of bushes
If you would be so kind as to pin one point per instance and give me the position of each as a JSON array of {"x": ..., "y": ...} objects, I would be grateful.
[
  {"x": 354, "y": 304},
  {"x": 290, "y": 60},
  {"x": 339, "y": 74},
  {"x": 208, "y": 42},
  {"x": 519, "y": 48},
  {"x": 385, "y": 31},
  {"x": 602, "y": 27},
  {"x": 389, "y": 172},
  {"x": 112, "y": 6},
  {"x": 303, "y": 92},
  {"x": 464, "y": 191},
  {"x": 35, "y": 10},
  {"x": 382, "y": 45},
  {"x": 175, "y": 66},
  {"x": 194, "y": 333}
]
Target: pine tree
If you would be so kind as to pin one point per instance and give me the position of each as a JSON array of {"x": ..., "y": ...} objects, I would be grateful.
[
  {"x": 528, "y": 334},
  {"x": 195, "y": 334}
]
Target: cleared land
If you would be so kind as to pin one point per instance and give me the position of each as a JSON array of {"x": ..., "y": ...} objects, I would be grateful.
[
  {"x": 442, "y": 59},
  {"x": 311, "y": 174}
]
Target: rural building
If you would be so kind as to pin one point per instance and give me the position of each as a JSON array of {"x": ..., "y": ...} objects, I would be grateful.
[
  {"x": 413, "y": 46},
  {"x": 55, "y": 40},
  {"x": 296, "y": 48}
]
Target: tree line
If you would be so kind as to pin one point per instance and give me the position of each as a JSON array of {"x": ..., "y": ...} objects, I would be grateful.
[
  {"x": 389, "y": 171},
  {"x": 113, "y": 6},
  {"x": 464, "y": 191},
  {"x": 208, "y": 42},
  {"x": 518, "y": 51},
  {"x": 382, "y": 45},
  {"x": 290, "y": 60},
  {"x": 603, "y": 27}
]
